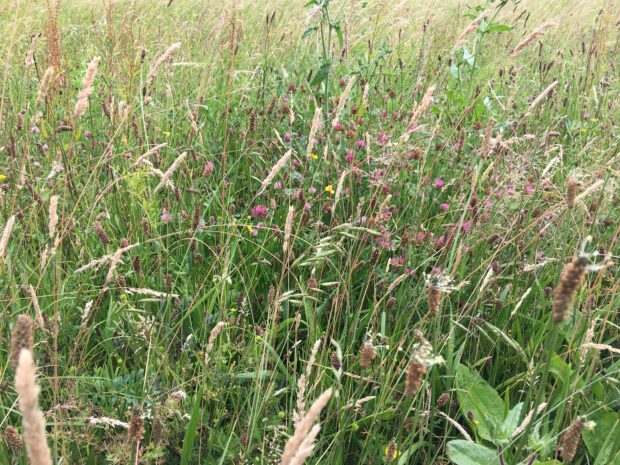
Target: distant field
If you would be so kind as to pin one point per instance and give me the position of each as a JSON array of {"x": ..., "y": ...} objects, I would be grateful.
[{"x": 333, "y": 232}]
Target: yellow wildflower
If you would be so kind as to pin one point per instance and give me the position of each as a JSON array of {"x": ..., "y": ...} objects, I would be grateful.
[{"x": 329, "y": 189}]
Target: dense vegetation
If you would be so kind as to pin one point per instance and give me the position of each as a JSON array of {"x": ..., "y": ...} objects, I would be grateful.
[{"x": 216, "y": 213}]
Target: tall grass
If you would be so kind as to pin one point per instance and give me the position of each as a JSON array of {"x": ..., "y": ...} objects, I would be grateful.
[{"x": 346, "y": 232}]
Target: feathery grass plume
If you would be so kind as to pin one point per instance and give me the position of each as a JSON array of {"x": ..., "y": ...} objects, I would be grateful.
[
  {"x": 103, "y": 237},
  {"x": 166, "y": 177},
  {"x": 29, "y": 60},
  {"x": 13, "y": 439},
  {"x": 22, "y": 337},
  {"x": 539, "y": 31},
  {"x": 87, "y": 88},
  {"x": 288, "y": 229},
  {"x": 528, "y": 419},
  {"x": 106, "y": 421},
  {"x": 486, "y": 140},
  {"x": 316, "y": 125},
  {"x": 418, "y": 112},
  {"x": 468, "y": 30},
  {"x": 135, "y": 431},
  {"x": 564, "y": 293},
  {"x": 300, "y": 445},
  {"x": 33, "y": 419},
  {"x": 342, "y": 101},
  {"x": 37, "y": 307},
  {"x": 45, "y": 85},
  {"x": 149, "y": 292},
  {"x": 217, "y": 329},
  {"x": 148, "y": 153},
  {"x": 339, "y": 187},
  {"x": 541, "y": 97},
  {"x": 570, "y": 439},
  {"x": 424, "y": 104},
  {"x": 367, "y": 355},
  {"x": 302, "y": 382},
  {"x": 53, "y": 215},
  {"x": 116, "y": 259},
  {"x": 571, "y": 192},
  {"x": 6, "y": 234},
  {"x": 160, "y": 61},
  {"x": 275, "y": 169},
  {"x": 414, "y": 376}
]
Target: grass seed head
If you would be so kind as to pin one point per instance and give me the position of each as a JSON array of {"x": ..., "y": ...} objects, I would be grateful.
[{"x": 22, "y": 337}]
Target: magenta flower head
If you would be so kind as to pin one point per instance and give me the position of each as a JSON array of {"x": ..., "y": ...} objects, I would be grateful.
[
  {"x": 287, "y": 137},
  {"x": 467, "y": 226},
  {"x": 439, "y": 183},
  {"x": 166, "y": 217},
  {"x": 338, "y": 126},
  {"x": 349, "y": 156},
  {"x": 259, "y": 211},
  {"x": 444, "y": 207},
  {"x": 360, "y": 144}
]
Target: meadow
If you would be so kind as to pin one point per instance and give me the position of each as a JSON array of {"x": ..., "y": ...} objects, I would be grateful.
[{"x": 323, "y": 232}]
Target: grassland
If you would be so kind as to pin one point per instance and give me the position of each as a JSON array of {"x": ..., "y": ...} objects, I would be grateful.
[{"x": 216, "y": 213}]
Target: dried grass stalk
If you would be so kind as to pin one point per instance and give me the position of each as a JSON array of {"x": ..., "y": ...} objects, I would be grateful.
[
  {"x": 541, "y": 97},
  {"x": 539, "y": 31},
  {"x": 6, "y": 234},
  {"x": 87, "y": 88},
  {"x": 316, "y": 125},
  {"x": 469, "y": 29},
  {"x": 166, "y": 177},
  {"x": 45, "y": 85},
  {"x": 217, "y": 329},
  {"x": 53, "y": 215},
  {"x": 275, "y": 169},
  {"x": 157, "y": 64},
  {"x": 33, "y": 419},
  {"x": 288, "y": 229},
  {"x": 299, "y": 446}
]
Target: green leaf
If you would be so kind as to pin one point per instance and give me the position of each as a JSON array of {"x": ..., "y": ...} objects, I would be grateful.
[
  {"x": 512, "y": 420},
  {"x": 496, "y": 27},
  {"x": 192, "y": 428},
  {"x": 603, "y": 443},
  {"x": 321, "y": 74},
  {"x": 309, "y": 31},
  {"x": 478, "y": 398},
  {"x": 469, "y": 453}
]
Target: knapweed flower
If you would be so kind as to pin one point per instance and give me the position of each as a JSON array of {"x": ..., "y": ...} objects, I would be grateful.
[
  {"x": 330, "y": 189},
  {"x": 166, "y": 217},
  {"x": 467, "y": 226},
  {"x": 529, "y": 189},
  {"x": 439, "y": 183},
  {"x": 349, "y": 156},
  {"x": 338, "y": 126},
  {"x": 312, "y": 190},
  {"x": 288, "y": 137},
  {"x": 444, "y": 207},
  {"x": 277, "y": 185},
  {"x": 35, "y": 130},
  {"x": 259, "y": 211},
  {"x": 360, "y": 144},
  {"x": 382, "y": 138}
]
